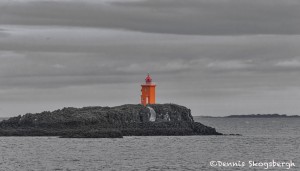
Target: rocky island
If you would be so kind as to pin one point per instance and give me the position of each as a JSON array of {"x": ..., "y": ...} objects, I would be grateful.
[{"x": 107, "y": 122}]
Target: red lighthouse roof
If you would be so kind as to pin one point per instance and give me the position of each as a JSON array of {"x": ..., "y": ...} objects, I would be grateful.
[{"x": 148, "y": 79}]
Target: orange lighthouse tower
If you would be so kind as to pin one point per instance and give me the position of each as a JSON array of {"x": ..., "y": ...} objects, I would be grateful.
[{"x": 148, "y": 91}]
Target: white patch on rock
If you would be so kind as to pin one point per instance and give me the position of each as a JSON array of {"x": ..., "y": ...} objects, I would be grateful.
[
  {"x": 167, "y": 117},
  {"x": 153, "y": 114}
]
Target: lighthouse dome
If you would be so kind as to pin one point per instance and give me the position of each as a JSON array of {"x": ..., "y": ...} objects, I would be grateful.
[{"x": 148, "y": 79}]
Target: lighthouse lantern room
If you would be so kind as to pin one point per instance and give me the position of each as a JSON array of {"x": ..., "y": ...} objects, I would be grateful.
[{"x": 148, "y": 91}]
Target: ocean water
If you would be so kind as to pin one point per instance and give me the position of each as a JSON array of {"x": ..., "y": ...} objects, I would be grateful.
[{"x": 263, "y": 140}]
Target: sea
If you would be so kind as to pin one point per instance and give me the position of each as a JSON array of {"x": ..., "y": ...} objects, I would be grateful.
[{"x": 264, "y": 144}]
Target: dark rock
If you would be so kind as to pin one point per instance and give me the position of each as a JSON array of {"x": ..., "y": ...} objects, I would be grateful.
[
  {"x": 104, "y": 122},
  {"x": 233, "y": 134},
  {"x": 94, "y": 134},
  {"x": 204, "y": 130}
]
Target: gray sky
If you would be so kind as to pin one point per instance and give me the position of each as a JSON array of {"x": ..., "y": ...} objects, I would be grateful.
[{"x": 217, "y": 57}]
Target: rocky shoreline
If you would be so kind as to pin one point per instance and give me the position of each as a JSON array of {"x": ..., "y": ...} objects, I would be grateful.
[{"x": 108, "y": 122}]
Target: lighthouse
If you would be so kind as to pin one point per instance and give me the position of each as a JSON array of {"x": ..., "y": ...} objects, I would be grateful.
[{"x": 148, "y": 91}]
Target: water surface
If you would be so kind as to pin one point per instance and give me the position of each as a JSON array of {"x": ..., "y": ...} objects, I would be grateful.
[{"x": 264, "y": 139}]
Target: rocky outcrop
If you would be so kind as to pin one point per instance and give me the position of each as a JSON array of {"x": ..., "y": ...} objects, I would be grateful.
[{"x": 103, "y": 122}]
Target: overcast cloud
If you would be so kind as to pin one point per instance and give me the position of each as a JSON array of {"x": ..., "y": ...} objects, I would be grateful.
[{"x": 215, "y": 57}]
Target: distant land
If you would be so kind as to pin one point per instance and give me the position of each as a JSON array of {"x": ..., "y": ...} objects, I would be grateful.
[{"x": 255, "y": 116}]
